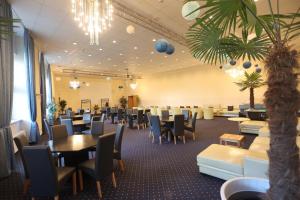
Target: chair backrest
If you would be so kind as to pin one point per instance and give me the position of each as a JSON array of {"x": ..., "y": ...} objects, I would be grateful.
[
  {"x": 194, "y": 121},
  {"x": 48, "y": 129},
  {"x": 104, "y": 156},
  {"x": 155, "y": 125},
  {"x": 120, "y": 114},
  {"x": 108, "y": 110},
  {"x": 102, "y": 117},
  {"x": 80, "y": 111},
  {"x": 165, "y": 114},
  {"x": 140, "y": 116},
  {"x": 135, "y": 111},
  {"x": 178, "y": 125},
  {"x": 97, "y": 128},
  {"x": 257, "y": 115},
  {"x": 149, "y": 118},
  {"x": 96, "y": 118},
  {"x": 21, "y": 141},
  {"x": 69, "y": 125},
  {"x": 129, "y": 111},
  {"x": 58, "y": 132},
  {"x": 186, "y": 114},
  {"x": 42, "y": 171},
  {"x": 86, "y": 116},
  {"x": 69, "y": 113},
  {"x": 119, "y": 136}
]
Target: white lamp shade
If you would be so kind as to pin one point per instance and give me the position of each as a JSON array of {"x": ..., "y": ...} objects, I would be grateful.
[
  {"x": 130, "y": 29},
  {"x": 188, "y": 8}
]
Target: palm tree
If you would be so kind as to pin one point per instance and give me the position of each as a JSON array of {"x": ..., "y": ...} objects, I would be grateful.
[
  {"x": 221, "y": 33},
  {"x": 251, "y": 81}
]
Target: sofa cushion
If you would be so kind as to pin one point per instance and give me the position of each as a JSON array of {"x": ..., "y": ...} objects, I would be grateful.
[
  {"x": 256, "y": 164},
  {"x": 253, "y": 124},
  {"x": 227, "y": 158}
]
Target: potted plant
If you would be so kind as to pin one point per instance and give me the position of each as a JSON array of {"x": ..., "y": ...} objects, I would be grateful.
[
  {"x": 123, "y": 102},
  {"x": 96, "y": 108},
  {"x": 51, "y": 110},
  {"x": 221, "y": 34},
  {"x": 62, "y": 105},
  {"x": 251, "y": 81}
]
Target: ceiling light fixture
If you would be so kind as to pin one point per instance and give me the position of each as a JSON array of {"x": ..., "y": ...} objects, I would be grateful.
[
  {"x": 93, "y": 16},
  {"x": 75, "y": 43},
  {"x": 74, "y": 84},
  {"x": 135, "y": 48},
  {"x": 114, "y": 41}
]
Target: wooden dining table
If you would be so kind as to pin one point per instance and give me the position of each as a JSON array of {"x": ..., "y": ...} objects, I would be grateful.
[{"x": 81, "y": 125}]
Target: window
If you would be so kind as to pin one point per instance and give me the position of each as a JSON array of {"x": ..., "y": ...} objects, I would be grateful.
[{"x": 20, "y": 94}]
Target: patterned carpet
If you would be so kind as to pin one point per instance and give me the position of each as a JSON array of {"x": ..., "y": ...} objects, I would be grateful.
[{"x": 153, "y": 171}]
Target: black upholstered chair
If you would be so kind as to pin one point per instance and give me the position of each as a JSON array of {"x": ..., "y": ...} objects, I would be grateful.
[
  {"x": 178, "y": 129},
  {"x": 118, "y": 146},
  {"x": 186, "y": 114},
  {"x": 96, "y": 118},
  {"x": 146, "y": 119},
  {"x": 21, "y": 141},
  {"x": 108, "y": 112},
  {"x": 102, "y": 166},
  {"x": 69, "y": 125},
  {"x": 86, "y": 116},
  {"x": 80, "y": 111},
  {"x": 58, "y": 132},
  {"x": 192, "y": 127},
  {"x": 102, "y": 117},
  {"x": 158, "y": 131},
  {"x": 150, "y": 124},
  {"x": 139, "y": 121},
  {"x": 165, "y": 114},
  {"x": 45, "y": 178},
  {"x": 120, "y": 116},
  {"x": 97, "y": 128},
  {"x": 48, "y": 128}
]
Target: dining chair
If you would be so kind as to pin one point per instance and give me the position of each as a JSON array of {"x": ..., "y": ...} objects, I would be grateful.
[
  {"x": 102, "y": 117},
  {"x": 86, "y": 116},
  {"x": 108, "y": 112},
  {"x": 192, "y": 127},
  {"x": 48, "y": 128},
  {"x": 186, "y": 114},
  {"x": 80, "y": 111},
  {"x": 120, "y": 116},
  {"x": 118, "y": 146},
  {"x": 97, "y": 128},
  {"x": 178, "y": 129},
  {"x": 158, "y": 131},
  {"x": 58, "y": 132},
  {"x": 69, "y": 125},
  {"x": 146, "y": 120},
  {"x": 165, "y": 114},
  {"x": 140, "y": 119},
  {"x": 96, "y": 118},
  {"x": 102, "y": 166},
  {"x": 21, "y": 141},
  {"x": 150, "y": 124},
  {"x": 45, "y": 178}
]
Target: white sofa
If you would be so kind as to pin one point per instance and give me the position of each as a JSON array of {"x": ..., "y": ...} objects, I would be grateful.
[
  {"x": 252, "y": 126},
  {"x": 224, "y": 112},
  {"x": 208, "y": 113},
  {"x": 265, "y": 131}
]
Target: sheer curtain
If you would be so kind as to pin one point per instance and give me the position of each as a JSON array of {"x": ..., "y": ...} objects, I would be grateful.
[
  {"x": 6, "y": 95},
  {"x": 43, "y": 91},
  {"x": 30, "y": 65}
]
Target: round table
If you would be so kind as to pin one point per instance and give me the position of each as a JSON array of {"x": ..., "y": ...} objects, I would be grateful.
[{"x": 239, "y": 120}]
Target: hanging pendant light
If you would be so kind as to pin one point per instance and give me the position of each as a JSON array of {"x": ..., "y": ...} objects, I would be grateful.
[{"x": 74, "y": 84}]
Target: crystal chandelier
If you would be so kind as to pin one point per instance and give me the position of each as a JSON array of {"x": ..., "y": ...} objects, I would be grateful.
[
  {"x": 74, "y": 84},
  {"x": 93, "y": 16}
]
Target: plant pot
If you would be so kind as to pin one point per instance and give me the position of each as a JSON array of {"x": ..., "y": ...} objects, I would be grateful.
[{"x": 243, "y": 188}]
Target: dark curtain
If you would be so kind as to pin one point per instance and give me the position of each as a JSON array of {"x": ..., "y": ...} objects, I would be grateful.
[
  {"x": 43, "y": 88},
  {"x": 6, "y": 95},
  {"x": 29, "y": 61}
]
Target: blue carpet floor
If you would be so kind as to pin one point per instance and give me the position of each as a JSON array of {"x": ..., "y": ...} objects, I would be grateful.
[{"x": 153, "y": 171}]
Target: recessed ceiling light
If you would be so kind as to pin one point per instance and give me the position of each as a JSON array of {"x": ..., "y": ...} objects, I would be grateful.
[
  {"x": 256, "y": 0},
  {"x": 182, "y": 51},
  {"x": 136, "y": 57},
  {"x": 166, "y": 56},
  {"x": 154, "y": 40},
  {"x": 109, "y": 59},
  {"x": 152, "y": 52},
  {"x": 59, "y": 56},
  {"x": 121, "y": 54},
  {"x": 75, "y": 43},
  {"x": 86, "y": 33},
  {"x": 135, "y": 48},
  {"x": 100, "y": 49},
  {"x": 114, "y": 41},
  {"x": 66, "y": 51},
  {"x": 89, "y": 55},
  {"x": 80, "y": 60},
  {"x": 108, "y": 78}
]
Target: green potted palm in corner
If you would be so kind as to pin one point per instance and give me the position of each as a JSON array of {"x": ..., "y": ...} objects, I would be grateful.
[
  {"x": 221, "y": 31},
  {"x": 62, "y": 105},
  {"x": 251, "y": 82},
  {"x": 123, "y": 102}
]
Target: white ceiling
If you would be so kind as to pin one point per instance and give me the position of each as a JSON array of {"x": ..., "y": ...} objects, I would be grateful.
[{"x": 51, "y": 22}]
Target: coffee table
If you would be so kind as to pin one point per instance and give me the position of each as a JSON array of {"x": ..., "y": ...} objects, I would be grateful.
[{"x": 232, "y": 138}]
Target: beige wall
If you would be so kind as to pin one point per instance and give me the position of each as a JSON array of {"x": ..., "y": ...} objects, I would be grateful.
[
  {"x": 98, "y": 88},
  {"x": 202, "y": 85}
]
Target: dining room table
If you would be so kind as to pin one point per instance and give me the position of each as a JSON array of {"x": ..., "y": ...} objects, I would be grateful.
[{"x": 81, "y": 125}]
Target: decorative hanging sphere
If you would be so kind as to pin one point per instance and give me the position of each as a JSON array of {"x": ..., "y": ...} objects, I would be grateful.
[
  {"x": 130, "y": 29},
  {"x": 170, "y": 49},
  {"x": 161, "y": 45},
  {"x": 188, "y": 8},
  {"x": 232, "y": 62},
  {"x": 258, "y": 69},
  {"x": 247, "y": 65}
]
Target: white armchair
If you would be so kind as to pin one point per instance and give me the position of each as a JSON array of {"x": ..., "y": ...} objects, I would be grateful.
[{"x": 208, "y": 113}]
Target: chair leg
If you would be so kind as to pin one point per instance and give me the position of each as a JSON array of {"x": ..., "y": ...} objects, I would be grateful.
[
  {"x": 159, "y": 139},
  {"x": 56, "y": 197},
  {"x": 194, "y": 138},
  {"x": 113, "y": 178},
  {"x": 99, "y": 189},
  {"x": 183, "y": 138},
  {"x": 174, "y": 139},
  {"x": 153, "y": 139},
  {"x": 74, "y": 183},
  {"x": 80, "y": 180},
  {"x": 120, "y": 163},
  {"x": 26, "y": 186}
]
